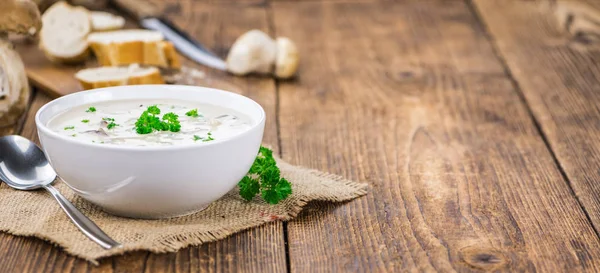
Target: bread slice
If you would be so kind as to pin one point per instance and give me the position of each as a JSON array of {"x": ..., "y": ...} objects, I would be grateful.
[
  {"x": 104, "y": 21},
  {"x": 64, "y": 32},
  {"x": 114, "y": 76},
  {"x": 123, "y": 47}
]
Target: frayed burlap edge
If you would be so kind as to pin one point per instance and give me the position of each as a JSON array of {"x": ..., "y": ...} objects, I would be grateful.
[{"x": 308, "y": 185}]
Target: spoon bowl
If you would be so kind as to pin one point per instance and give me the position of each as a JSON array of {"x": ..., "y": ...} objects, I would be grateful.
[{"x": 23, "y": 166}]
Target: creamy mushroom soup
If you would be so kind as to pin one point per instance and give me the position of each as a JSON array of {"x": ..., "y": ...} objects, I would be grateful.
[{"x": 149, "y": 123}]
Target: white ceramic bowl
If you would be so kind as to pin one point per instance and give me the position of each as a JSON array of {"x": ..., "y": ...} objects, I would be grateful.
[{"x": 152, "y": 182}]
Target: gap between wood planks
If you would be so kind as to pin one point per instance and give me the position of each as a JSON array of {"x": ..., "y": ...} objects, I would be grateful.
[
  {"x": 273, "y": 33},
  {"x": 497, "y": 53},
  {"x": 217, "y": 252},
  {"x": 276, "y": 83},
  {"x": 488, "y": 35}
]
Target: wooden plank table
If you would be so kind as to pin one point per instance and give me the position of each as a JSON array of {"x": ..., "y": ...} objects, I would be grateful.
[{"x": 477, "y": 124}]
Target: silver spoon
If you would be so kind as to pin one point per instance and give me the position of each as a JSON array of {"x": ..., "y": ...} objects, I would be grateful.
[{"x": 23, "y": 166}]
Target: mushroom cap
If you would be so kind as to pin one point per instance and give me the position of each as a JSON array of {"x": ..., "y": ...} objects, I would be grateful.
[
  {"x": 20, "y": 16},
  {"x": 254, "y": 51},
  {"x": 14, "y": 89},
  {"x": 286, "y": 62}
]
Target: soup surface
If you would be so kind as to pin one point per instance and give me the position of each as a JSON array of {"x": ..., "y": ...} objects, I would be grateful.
[{"x": 150, "y": 123}]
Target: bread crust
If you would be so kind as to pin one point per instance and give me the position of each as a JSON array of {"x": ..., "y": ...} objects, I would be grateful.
[
  {"x": 156, "y": 53},
  {"x": 151, "y": 78},
  {"x": 81, "y": 57},
  {"x": 171, "y": 55},
  {"x": 77, "y": 57}
]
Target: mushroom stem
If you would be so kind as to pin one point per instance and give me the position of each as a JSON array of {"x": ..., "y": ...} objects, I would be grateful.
[
  {"x": 256, "y": 52},
  {"x": 287, "y": 60}
]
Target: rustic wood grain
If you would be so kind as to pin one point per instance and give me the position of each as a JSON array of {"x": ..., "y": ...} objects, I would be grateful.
[
  {"x": 12, "y": 129},
  {"x": 29, "y": 129},
  {"x": 411, "y": 97},
  {"x": 553, "y": 50},
  {"x": 258, "y": 250}
]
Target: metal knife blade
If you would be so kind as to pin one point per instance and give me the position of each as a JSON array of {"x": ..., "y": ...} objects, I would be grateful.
[
  {"x": 150, "y": 17},
  {"x": 184, "y": 43}
]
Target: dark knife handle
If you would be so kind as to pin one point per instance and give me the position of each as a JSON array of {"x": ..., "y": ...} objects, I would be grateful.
[{"x": 139, "y": 8}]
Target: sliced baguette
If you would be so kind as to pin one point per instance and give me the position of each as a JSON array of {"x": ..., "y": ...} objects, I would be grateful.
[
  {"x": 114, "y": 76},
  {"x": 104, "y": 21},
  {"x": 64, "y": 32},
  {"x": 131, "y": 46}
]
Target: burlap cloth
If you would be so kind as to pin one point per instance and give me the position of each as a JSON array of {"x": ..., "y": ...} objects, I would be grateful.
[{"x": 37, "y": 214}]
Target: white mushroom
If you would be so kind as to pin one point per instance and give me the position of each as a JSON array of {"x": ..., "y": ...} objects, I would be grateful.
[
  {"x": 256, "y": 52},
  {"x": 253, "y": 52},
  {"x": 287, "y": 59},
  {"x": 20, "y": 16},
  {"x": 14, "y": 89}
]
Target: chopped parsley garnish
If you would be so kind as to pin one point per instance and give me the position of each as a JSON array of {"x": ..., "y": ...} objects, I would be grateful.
[
  {"x": 69, "y": 127},
  {"x": 85, "y": 121},
  {"x": 92, "y": 109},
  {"x": 171, "y": 122},
  {"x": 74, "y": 135},
  {"x": 111, "y": 125},
  {"x": 265, "y": 178},
  {"x": 153, "y": 109},
  {"x": 209, "y": 138},
  {"x": 149, "y": 121},
  {"x": 204, "y": 139},
  {"x": 192, "y": 113}
]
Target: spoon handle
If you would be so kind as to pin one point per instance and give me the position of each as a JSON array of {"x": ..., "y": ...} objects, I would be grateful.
[{"x": 84, "y": 224}]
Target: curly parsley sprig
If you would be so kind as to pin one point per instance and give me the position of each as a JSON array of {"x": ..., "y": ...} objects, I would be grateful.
[
  {"x": 193, "y": 113},
  {"x": 149, "y": 121},
  {"x": 265, "y": 177}
]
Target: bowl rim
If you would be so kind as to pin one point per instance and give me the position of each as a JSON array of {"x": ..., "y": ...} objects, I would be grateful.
[{"x": 43, "y": 128}]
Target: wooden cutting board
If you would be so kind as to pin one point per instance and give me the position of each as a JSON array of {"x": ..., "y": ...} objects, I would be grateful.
[
  {"x": 58, "y": 80},
  {"x": 54, "y": 79}
]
